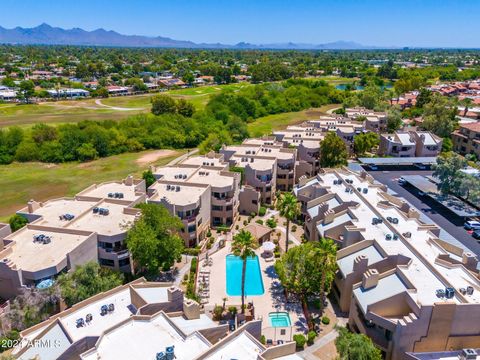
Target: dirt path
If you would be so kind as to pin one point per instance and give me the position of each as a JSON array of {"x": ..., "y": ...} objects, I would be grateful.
[
  {"x": 154, "y": 156},
  {"x": 99, "y": 102}
]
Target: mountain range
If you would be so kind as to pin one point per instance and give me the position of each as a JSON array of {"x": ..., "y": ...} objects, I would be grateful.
[{"x": 45, "y": 34}]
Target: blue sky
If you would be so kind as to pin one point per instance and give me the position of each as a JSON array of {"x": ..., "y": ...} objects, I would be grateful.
[{"x": 448, "y": 23}]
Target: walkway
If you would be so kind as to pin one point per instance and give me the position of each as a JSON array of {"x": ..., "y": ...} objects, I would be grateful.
[
  {"x": 182, "y": 157},
  {"x": 308, "y": 352}
]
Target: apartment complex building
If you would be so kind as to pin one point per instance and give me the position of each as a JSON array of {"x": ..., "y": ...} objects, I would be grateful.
[
  {"x": 410, "y": 144},
  {"x": 143, "y": 320},
  {"x": 201, "y": 191},
  {"x": 63, "y": 233},
  {"x": 405, "y": 288},
  {"x": 374, "y": 120},
  {"x": 466, "y": 140},
  {"x": 266, "y": 167}
]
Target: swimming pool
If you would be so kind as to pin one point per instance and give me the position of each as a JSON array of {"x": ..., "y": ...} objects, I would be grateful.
[
  {"x": 279, "y": 319},
  {"x": 253, "y": 276}
]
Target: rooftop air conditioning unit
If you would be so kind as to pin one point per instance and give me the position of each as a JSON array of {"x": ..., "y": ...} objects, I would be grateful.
[
  {"x": 449, "y": 293},
  {"x": 168, "y": 187},
  {"x": 468, "y": 354},
  {"x": 184, "y": 176},
  {"x": 470, "y": 290},
  {"x": 177, "y": 188}
]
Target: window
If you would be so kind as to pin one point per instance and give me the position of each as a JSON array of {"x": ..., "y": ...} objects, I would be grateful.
[
  {"x": 217, "y": 208},
  {"x": 124, "y": 262},
  {"x": 192, "y": 228},
  {"x": 255, "y": 202},
  {"x": 107, "y": 262}
]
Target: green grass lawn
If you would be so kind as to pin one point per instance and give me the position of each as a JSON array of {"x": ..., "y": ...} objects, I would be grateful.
[
  {"x": 78, "y": 110},
  {"x": 20, "y": 182},
  {"x": 267, "y": 124}
]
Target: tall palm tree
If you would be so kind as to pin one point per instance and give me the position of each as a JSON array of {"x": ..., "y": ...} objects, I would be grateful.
[
  {"x": 467, "y": 102},
  {"x": 289, "y": 208},
  {"x": 327, "y": 260},
  {"x": 243, "y": 246}
]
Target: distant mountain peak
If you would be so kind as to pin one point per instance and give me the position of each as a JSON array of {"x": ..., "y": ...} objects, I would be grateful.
[{"x": 45, "y": 34}]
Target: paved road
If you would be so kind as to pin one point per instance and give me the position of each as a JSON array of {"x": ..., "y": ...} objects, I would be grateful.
[{"x": 437, "y": 213}]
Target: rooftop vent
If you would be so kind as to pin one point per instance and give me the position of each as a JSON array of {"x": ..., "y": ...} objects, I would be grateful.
[{"x": 468, "y": 354}]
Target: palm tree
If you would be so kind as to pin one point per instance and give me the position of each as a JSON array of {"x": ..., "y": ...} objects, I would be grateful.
[
  {"x": 288, "y": 207},
  {"x": 243, "y": 246},
  {"x": 327, "y": 260},
  {"x": 466, "y": 102}
]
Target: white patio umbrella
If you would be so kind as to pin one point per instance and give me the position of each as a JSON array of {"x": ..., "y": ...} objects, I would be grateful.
[{"x": 268, "y": 246}]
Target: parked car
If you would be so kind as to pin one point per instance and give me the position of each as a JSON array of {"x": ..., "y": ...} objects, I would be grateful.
[
  {"x": 421, "y": 193},
  {"x": 472, "y": 225},
  {"x": 421, "y": 166},
  {"x": 402, "y": 181},
  {"x": 476, "y": 234},
  {"x": 373, "y": 167}
]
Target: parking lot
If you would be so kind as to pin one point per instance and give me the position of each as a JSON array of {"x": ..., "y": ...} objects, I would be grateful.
[{"x": 445, "y": 219}]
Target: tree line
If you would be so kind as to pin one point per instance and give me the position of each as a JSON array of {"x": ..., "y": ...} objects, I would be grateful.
[{"x": 172, "y": 124}]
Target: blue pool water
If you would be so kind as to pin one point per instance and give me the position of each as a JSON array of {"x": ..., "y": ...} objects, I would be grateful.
[
  {"x": 253, "y": 277},
  {"x": 279, "y": 319}
]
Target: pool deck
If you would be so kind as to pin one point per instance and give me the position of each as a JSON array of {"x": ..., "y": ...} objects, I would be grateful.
[{"x": 272, "y": 300}]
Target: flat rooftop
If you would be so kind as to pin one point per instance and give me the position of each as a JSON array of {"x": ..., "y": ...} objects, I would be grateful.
[
  {"x": 101, "y": 191},
  {"x": 387, "y": 287},
  {"x": 203, "y": 161},
  {"x": 257, "y": 163},
  {"x": 213, "y": 177},
  {"x": 174, "y": 173},
  {"x": 34, "y": 256},
  {"x": 114, "y": 223},
  {"x": 187, "y": 193},
  {"x": 157, "y": 333},
  {"x": 243, "y": 346},
  {"x": 399, "y": 160},
  {"x": 51, "y": 211},
  {"x": 345, "y": 264},
  {"x": 421, "y": 248}
]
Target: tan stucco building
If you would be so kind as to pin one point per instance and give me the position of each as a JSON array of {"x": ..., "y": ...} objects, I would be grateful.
[
  {"x": 402, "y": 286},
  {"x": 63, "y": 233}
]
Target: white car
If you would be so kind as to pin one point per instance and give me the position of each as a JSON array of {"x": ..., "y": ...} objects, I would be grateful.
[
  {"x": 402, "y": 181},
  {"x": 472, "y": 225},
  {"x": 373, "y": 167}
]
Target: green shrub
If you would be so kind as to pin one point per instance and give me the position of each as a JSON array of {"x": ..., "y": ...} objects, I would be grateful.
[
  {"x": 263, "y": 340},
  {"x": 271, "y": 223},
  {"x": 300, "y": 340},
  {"x": 16, "y": 222},
  {"x": 185, "y": 277},
  {"x": 276, "y": 254},
  {"x": 191, "y": 251},
  {"x": 193, "y": 265},
  {"x": 232, "y": 310},
  {"x": 217, "y": 312},
  {"x": 245, "y": 222},
  {"x": 209, "y": 233},
  {"x": 311, "y": 337},
  {"x": 259, "y": 221},
  {"x": 253, "y": 214},
  {"x": 294, "y": 228},
  {"x": 209, "y": 245},
  {"x": 325, "y": 320},
  {"x": 237, "y": 227},
  {"x": 262, "y": 211}
]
